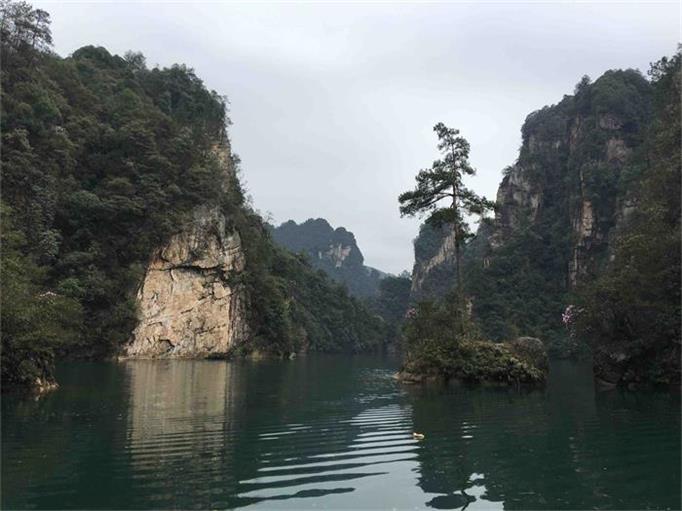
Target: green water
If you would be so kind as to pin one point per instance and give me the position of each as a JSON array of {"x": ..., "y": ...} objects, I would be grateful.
[{"x": 332, "y": 432}]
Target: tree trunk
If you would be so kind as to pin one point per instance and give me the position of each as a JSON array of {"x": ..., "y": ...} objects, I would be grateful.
[{"x": 459, "y": 313}]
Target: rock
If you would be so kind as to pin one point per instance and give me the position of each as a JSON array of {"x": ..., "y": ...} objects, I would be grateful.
[
  {"x": 531, "y": 350},
  {"x": 451, "y": 501},
  {"x": 553, "y": 140},
  {"x": 190, "y": 305},
  {"x": 332, "y": 250},
  {"x": 616, "y": 363},
  {"x": 610, "y": 121},
  {"x": 481, "y": 362},
  {"x": 617, "y": 150},
  {"x": 409, "y": 377},
  {"x": 43, "y": 385}
]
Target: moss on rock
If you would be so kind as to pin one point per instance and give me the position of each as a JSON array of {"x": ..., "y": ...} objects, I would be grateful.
[{"x": 477, "y": 361}]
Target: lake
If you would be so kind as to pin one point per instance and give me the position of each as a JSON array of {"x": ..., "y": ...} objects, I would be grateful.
[{"x": 333, "y": 432}]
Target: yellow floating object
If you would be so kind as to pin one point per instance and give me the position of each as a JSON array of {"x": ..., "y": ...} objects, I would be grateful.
[{"x": 418, "y": 436}]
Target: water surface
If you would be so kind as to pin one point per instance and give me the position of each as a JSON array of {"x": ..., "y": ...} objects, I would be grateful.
[{"x": 332, "y": 432}]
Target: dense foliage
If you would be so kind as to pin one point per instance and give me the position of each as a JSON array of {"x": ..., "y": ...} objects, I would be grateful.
[
  {"x": 526, "y": 284},
  {"x": 103, "y": 160},
  {"x": 34, "y": 321},
  {"x": 632, "y": 309},
  {"x": 391, "y": 304},
  {"x": 562, "y": 159},
  {"x": 613, "y": 145},
  {"x": 334, "y": 251},
  {"x": 433, "y": 349},
  {"x": 296, "y": 308}
]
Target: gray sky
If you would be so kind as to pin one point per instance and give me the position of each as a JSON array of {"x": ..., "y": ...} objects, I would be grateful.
[{"x": 333, "y": 104}]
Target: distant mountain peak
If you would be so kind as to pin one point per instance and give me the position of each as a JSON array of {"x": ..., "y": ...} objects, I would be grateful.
[{"x": 333, "y": 250}]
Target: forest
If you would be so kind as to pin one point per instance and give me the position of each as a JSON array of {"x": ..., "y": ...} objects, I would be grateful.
[
  {"x": 583, "y": 250},
  {"x": 103, "y": 160},
  {"x": 197, "y": 314}
]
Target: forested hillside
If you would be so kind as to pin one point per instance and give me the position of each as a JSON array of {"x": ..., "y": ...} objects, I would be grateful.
[
  {"x": 631, "y": 312},
  {"x": 588, "y": 217},
  {"x": 103, "y": 160},
  {"x": 334, "y": 251}
]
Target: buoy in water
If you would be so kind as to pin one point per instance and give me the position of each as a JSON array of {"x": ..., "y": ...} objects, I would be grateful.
[{"x": 417, "y": 436}]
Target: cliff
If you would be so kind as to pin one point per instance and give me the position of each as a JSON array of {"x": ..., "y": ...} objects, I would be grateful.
[
  {"x": 558, "y": 207},
  {"x": 584, "y": 248},
  {"x": 220, "y": 286},
  {"x": 334, "y": 251},
  {"x": 190, "y": 304},
  {"x": 126, "y": 226}
]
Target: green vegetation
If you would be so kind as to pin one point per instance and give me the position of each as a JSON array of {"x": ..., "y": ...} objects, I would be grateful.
[
  {"x": 391, "y": 304},
  {"x": 632, "y": 310},
  {"x": 444, "y": 180},
  {"x": 296, "y": 308},
  {"x": 613, "y": 145},
  {"x": 521, "y": 291},
  {"x": 440, "y": 338},
  {"x": 526, "y": 284},
  {"x": 103, "y": 160},
  {"x": 34, "y": 322},
  {"x": 434, "y": 353},
  {"x": 333, "y": 250}
]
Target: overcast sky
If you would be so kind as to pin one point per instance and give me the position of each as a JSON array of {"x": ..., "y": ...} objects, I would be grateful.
[{"x": 333, "y": 105}]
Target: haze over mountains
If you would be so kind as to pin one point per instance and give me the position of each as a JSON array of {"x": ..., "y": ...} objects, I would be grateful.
[{"x": 332, "y": 120}]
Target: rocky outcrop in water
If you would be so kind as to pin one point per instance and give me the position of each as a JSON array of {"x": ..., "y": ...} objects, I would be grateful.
[
  {"x": 190, "y": 303},
  {"x": 522, "y": 361}
]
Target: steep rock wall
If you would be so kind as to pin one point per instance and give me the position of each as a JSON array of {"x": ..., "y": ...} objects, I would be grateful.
[
  {"x": 444, "y": 255},
  {"x": 565, "y": 186},
  {"x": 190, "y": 304}
]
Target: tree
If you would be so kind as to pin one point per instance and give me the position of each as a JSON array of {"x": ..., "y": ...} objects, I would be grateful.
[
  {"x": 633, "y": 307},
  {"x": 35, "y": 322},
  {"x": 444, "y": 181},
  {"x": 22, "y": 28}
]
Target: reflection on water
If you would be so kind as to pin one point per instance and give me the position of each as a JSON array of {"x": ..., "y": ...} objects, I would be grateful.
[{"x": 332, "y": 432}]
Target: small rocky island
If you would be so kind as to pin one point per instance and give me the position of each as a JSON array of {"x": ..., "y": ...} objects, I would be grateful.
[{"x": 522, "y": 361}]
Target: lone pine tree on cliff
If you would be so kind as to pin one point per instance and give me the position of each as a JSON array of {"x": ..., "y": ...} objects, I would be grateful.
[{"x": 443, "y": 182}]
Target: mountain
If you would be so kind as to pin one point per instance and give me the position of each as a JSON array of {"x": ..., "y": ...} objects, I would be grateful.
[
  {"x": 125, "y": 229},
  {"x": 333, "y": 251},
  {"x": 575, "y": 195}
]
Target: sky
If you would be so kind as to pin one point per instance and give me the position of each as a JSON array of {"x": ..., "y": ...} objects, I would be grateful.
[{"x": 333, "y": 104}]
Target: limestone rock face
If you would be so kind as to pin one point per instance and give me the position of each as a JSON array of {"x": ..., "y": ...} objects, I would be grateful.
[
  {"x": 551, "y": 170},
  {"x": 189, "y": 303},
  {"x": 519, "y": 198},
  {"x": 444, "y": 256},
  {"x": 337, "y": 254}
]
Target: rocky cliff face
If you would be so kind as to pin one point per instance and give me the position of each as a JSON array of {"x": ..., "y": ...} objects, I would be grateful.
[
  {"x": 433, "y": 272},
  {"x": 190, "y": 304},
  {"x": 445, "y": 255},
  {"x": 334, "y": 251},
  {"x": 558, "y": 205},
  {"x": 554, "y": 172}
]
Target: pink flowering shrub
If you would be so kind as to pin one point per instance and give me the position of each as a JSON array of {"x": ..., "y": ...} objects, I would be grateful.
[{"x": 411, "y": 313}]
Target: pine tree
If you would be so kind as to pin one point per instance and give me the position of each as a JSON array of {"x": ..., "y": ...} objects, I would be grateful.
[{"x": 444, "y": 181}]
